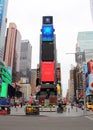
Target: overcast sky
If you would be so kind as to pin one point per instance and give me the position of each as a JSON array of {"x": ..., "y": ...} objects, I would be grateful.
[{"x": 69, "y": 18}]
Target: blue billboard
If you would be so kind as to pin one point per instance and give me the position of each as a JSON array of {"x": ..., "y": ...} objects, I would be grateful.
[
  {"x": 47, "y": 33},
  {"x": 2, "y": 5},
  {"x": 85, "y": 67}
]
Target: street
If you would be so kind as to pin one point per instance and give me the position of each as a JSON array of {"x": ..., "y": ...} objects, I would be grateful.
[
  {"x": 73, "y": 120},
  {"x": 45, "y": 123},
  {"x": 72, "y": 113}
]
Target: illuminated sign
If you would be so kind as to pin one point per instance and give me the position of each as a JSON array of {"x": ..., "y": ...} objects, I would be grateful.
[
  {"x": 3, "y": 91},
  {"x": 90, "y": 77},
  {"x": 47, "y": 20},
  {"x": 90, "y": 67},
  {"x": 1, "y": 11},
  {"x": 47, "y": 33},
  {"x": 47, "y": 72}
]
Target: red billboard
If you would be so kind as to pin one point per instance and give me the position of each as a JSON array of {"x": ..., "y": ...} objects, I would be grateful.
[
  {"x": 90, "y": 66},
  {"x": 47, "y": 72}
]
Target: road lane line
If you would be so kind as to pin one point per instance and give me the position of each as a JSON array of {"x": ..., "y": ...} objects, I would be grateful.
[{"x": 90, "y": 118}]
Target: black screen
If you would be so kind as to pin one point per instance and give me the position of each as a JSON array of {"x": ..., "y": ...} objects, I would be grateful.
[
  {"x": 47, "y": 51},
  {"x": 47, "y": 20}
]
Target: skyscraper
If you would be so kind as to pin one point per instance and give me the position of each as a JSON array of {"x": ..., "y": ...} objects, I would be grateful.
[
  {"x": 25, "y": 59},
  {"x": 85, "y": 44},
  {"x": 3, "y": 21},
  {"x": 12, "y": 49},
  {"x": 91, "y": 8},
  {"x": 10, "y": 45}
]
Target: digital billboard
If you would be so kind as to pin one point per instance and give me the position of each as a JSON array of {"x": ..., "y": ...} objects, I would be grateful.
[
  {"x": 90, "y": 66},
  {"x": 47, "y": 52},
  {"x": 47, "y": 33},
  {"x": 2, "y": 3},
  {"x": 3, "y": 91},
  {"x": 47, "y": 20},
  {"x": 47, "y": 72}
]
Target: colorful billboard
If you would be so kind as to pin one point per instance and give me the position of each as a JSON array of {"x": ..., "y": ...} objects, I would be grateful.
[
  {"x": 2, "y": 4},
  {"x": 90, "y": 77},
  {"x": 90, "y": 66},
  {"x": 47, "y": 72}
]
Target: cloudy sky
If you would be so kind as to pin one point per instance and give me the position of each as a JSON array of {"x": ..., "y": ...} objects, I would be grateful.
[{"x": 69, "y": 17}]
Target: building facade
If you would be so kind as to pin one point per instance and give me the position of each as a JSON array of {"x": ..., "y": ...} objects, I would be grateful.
[
  {"x": 91, "y": 8},
  {"x": 3, "y": 22},
  {"x": 85, "y": 44},
  {"x": 25, "y": 59},
  {"x": 10, "y": 45},
  {"x": 33, "y": 81},
  {"x": 12, "y": 49}
]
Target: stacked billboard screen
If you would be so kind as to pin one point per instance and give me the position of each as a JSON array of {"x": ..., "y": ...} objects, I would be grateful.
[
  {"x": 47, "y": 33},
  {"x": 47, "y": 52},
  {"x": 47, "y": 72}
]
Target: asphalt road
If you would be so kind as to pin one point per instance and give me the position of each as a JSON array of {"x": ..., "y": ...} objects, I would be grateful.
[{"x": 45, "y": 123}]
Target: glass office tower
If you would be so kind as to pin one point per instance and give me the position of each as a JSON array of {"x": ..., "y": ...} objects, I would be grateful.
[{"x": 3, "y": 21}]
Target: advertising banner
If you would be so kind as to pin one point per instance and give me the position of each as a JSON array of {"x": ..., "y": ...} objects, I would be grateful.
[
  {"x": 47, "y": 73},
  {"x": 2, "y": 4},
  {"x": 90, "y": 77},
  {"x": 47, "y": 33}
]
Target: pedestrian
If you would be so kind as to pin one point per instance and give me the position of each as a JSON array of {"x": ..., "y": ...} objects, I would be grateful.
[
  {"x": 68, "y": 108},
  {"x": 15, "y": 104},
  {"x": 21, "y": 104},
  {"x": 72, "y": 105}
]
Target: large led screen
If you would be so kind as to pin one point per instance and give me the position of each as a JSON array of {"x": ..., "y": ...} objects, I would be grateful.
[
  {"x": 47, "y": 72},
  {"x": 47, "y": 19},
  {"x": 47, "y": 52},
  {"x": 47, "y": 33},
  {"x": 2, "y": 4},
  {"x": 4, "y": 88},
  {"x": 90, "y": 67}
]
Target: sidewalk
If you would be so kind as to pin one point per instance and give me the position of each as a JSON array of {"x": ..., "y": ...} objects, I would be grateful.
[{"x": 71, "y": 113}]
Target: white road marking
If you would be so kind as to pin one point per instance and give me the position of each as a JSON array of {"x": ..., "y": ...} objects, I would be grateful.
[{"x": 90, "y": 118}]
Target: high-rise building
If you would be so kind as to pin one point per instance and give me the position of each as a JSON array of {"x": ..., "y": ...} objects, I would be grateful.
[
  {"x": 85, "y": 44},
  {"x": 25, "y": 59},
  {"x": 3, "y": 21},
  {"x": 91, "y": 8},
  {"x": 85, "y": 40},
  {"x": 10, "y": 45},
  {"x": 33, "y": 81},
  {"x": 12, "y": 49}
]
